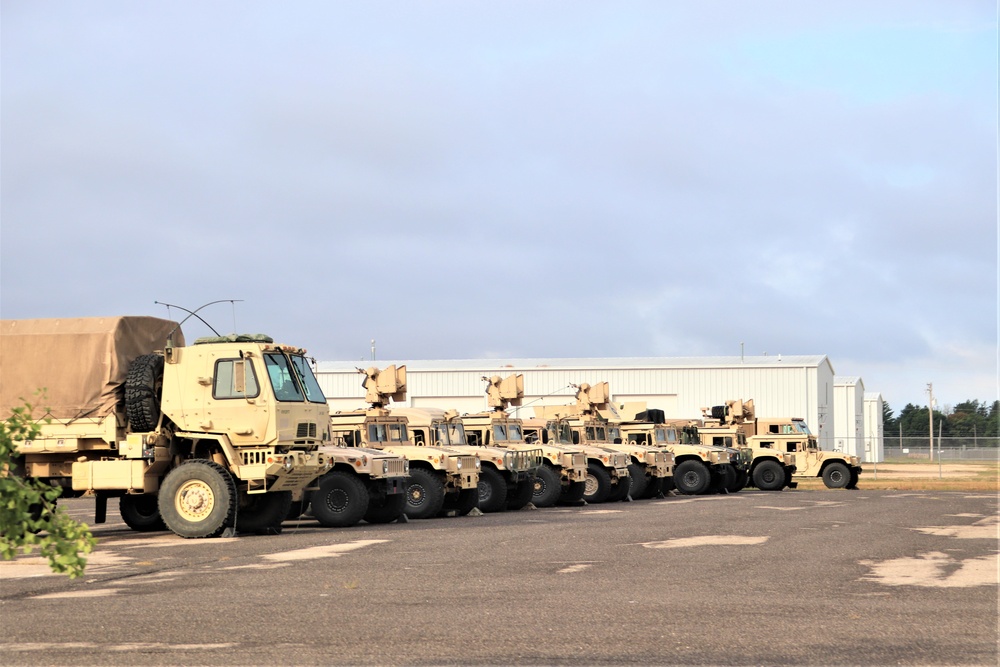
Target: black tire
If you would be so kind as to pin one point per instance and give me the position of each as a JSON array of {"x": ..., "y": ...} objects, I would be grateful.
[
  {"x": 340, "y": 500},
  {"x": 620, "y": 490},
  {"x": 836, "y": 475},
  {"x": 521, "y": 494},
  {"x": 655, "y": 487},
  {"x": 692, "y": 478},
  {"x": 140, "y": 513},
  {"x": 723, "y": 477},
  {"x": 855, "y": 474},
  {"x": 668, "y": 485},
  {"x": 546, "y": 487},
  {"x": 573, "y": 494},
  {"x": 769, "y": 476},
  {"x": 492, "y": 491},
  {"x": 461, "y": 503},
  {"x": 143, "y": 389},
  {"x": 296, "y": 509},
  {"x": 742, "y": 478},
  {"x": 640, "y": 481},
  {"x": 197, "y": 499},
  {"x": 598, "y": 484},
  {"x": 424, "y": 494},
  {"x": 386, "y": 509},
  {"x": 262, "y": 513}
]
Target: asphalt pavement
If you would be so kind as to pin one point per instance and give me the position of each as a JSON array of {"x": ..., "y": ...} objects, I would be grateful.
[{"x": 754, "y": 578}]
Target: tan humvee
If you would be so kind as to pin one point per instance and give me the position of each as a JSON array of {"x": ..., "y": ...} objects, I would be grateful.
[
  {"x": 440, "y": 479},
  {"x": 789, "y": 435},
  {"x": 196, "y": 438},
  {"x": 697, "y": 469},
  {"x": 563, "y": 471},
  {"x": 506, "y": 477}
]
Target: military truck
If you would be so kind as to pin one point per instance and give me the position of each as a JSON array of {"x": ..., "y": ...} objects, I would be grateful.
[
  {"x": 506, "y": 476},
  {"x": 649, "y": 469},
  {"x": 563, "y": 471},
  {"x": 197, "y": 439},
  {"x": 441, "y": 480},
  {"x": 786, "y": 436},
  {"x": 698, "y": 469},
  {"x": 363, "y": 483}
]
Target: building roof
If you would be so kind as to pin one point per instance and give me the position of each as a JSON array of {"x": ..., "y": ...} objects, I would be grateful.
[{"x": 504, "y": 365}]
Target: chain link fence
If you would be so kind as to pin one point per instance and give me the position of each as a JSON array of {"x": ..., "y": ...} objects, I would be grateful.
[{"x": 947, "y": 449}]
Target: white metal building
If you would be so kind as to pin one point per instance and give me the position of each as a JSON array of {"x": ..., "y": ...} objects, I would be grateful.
[
  {"x": 874, "y": 434},
  {"x": 849, "y": 415},
  {"x": 781, "y": 386}
]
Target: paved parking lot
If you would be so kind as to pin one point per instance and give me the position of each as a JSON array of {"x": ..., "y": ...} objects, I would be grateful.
[{"x": 798, "y": 577}]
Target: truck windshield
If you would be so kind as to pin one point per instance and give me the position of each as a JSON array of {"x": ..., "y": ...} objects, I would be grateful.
[
  {"x": 666, "y": 435},
  {"x": 285, "y": 387},
  {"x": 614, "y": 434},
  {"x": 451, "y": 433},
  {"x": 560, "y": 433},
  {"x": 313, "y": 392},
  {"x": 391, "y": 432},
  {"x": 597, "y": 434},
  {"x": 802, "y": 427}
]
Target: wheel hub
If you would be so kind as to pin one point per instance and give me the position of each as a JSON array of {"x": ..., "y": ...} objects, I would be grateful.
[
  {"x": 415, "y": 495},
  {"x": 592, "y": 485},
  {"x": 195, "y": 500},
  {"x": 337, "y": 500}
]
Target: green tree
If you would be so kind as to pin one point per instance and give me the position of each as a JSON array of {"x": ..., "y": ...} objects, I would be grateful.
[
  {"x": 914, "y": 421},
  {"x": 29, "y": 517},
  {"x": 889, "y": 423}
]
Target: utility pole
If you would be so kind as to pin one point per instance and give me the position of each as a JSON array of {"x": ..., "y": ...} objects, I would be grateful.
[{"x": 930, "y": 411}]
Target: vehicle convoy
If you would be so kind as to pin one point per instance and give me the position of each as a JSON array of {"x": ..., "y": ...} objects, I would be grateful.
[
  {"x": 567, "y": 426},
  {"x": 506, "y": 476},
  {"x": 363, "y": 483},
  {"x": 441, "y": 480},
  {"x": 197, "y": 439},
  {"x": 783, "y": 436},
  {"x": 562, "y": 472},
  {"x": 698, "y": 469}
]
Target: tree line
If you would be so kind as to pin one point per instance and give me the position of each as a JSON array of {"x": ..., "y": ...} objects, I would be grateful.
[{"x": 965, "y": 420}]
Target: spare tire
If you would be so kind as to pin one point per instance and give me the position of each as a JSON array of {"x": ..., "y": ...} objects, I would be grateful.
[{"x": 143, "y": 389}]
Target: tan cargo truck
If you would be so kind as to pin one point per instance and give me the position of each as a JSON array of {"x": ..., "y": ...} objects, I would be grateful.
[
  {"x": 698, "y": 469},
  {"x": 441, "y": 480},
  {"x": 363, "y": 483},
  {"x": 197, "y": 439},
  {"x": 787, "y": 436},
  {"x": 506, "y": 476},
  {"x": 562, "y": 474}
]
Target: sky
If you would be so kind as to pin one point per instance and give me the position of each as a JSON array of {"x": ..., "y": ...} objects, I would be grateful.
[{"x": 517, "y": 179}]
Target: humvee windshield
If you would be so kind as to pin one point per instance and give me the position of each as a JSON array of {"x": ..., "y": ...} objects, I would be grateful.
[
  {"x": 614, "y": 434},
  {"x": 449, "y": 433},
  {"x": 391, "y": 432},
  {"x": 597, "y": 434},
  {"x": 507, "y": 431},
  {"x": 560, "y": 433}
]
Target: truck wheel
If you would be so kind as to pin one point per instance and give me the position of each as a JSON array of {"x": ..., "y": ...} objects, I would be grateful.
[
  {"x": 654, "y": 487},
  {"x": 692, "y": 478},
  {"x": 143, "y": 388},
  {"x": 574, "y": 493},
  {"x": 836, "y": 475},
  {"x": 140, "y": 513},
  {"x": 340, "y": 500},
  {"x": 262, "y": 513},
  {"x": 668, "y": 485},
  {"x": 620, "y": 490},
  {"x": 723, "y": 477},
  {"x": 854, "y": 479},
  {"x": 424, "y": 494},
  {"x": 197, "y": 499},
  {"x": 640, "y": 482},
  {"x": 386, "y": 509},
  {"x": 598, "y": 484},
  {"x": 741, "y": 481},
  {"x": 296, "y": 509},
  {"x": 492, "y": 491},
  {"x": 461, "y": 503},
  {"x": 769, "y": 476},
  {"x": 521, "y": 494},
  {"x": 546, "y": 488}
]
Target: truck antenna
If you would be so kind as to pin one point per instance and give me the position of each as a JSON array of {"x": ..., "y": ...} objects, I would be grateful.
[{"x": 195, "y": 313}]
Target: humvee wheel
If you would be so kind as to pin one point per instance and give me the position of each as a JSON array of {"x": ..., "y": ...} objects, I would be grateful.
[
  {"x": 723, "y": 478},
  {"x": 197, "y": 499},
  {"x": 854, "y": 479},
  {"x": 546, "y": 488},
  {"x": 598, "y": 484},
  {"x": 655, "y": 487},
  {"x": 620, "y": 490},
  {"x": 262, "y": 513},
  {"x": 836, "y": 475},
  {"x": 741, "y": 481},
  {"x": 667, "y": 485},
  {"x": 143, "y": 388},
  {"x": 520, "y": 495},
  {"x": 386, "y": 509},
  {"x": 424, "y": 494},
  {"x": 574, "y": 493},
  {"x": 769, "y": 476},
  {"x": 460, "y": 503},
  {"x": 492, "y": 491},
  {"x": 296, "y": 509},
  {"x": 340, "y": 500},
  {"x": 637, "y": 474},
  {"x": 140, "y": 513},
  {"x": 692, "y": 477}
]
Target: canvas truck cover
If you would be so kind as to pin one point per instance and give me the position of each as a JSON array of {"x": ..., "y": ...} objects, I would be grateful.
[{"x": 80, "y": 362}]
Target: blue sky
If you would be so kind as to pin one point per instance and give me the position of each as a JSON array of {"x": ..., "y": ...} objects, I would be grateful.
[{"x": 517, "y": 179}]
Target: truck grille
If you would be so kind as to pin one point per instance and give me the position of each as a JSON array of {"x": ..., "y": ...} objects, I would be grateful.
[
  {"x": 306, "y": 430},
  {"x": 397, "y": 468},
  {"x": 579, "y": 461},
  {"x": 251, "y": 457},
  {"x": 468, "y": 463},
  {"x": 619, "y": 460},
  {"x": 522, "y": 461}
]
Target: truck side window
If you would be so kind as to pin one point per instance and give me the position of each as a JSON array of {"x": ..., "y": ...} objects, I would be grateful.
[
  {"x": 767, "y": 445},
  {"x": 229, "y": 379}
]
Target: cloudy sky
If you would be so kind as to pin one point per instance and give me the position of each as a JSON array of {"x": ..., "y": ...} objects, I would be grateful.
[{"x": 543, "y": 178}]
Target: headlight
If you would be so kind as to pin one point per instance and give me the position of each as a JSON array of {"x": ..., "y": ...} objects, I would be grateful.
[
  {"x": 479, "y": 463},
  {"x": 385, "y": 467},
  {"x": 458, "y": 464},
  {"x": 289, "y": 462},
  {"x": 406, "y": 465}
]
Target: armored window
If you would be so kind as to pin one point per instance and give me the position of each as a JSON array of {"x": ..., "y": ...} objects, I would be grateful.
[
  {"x": 418, "y": 436},
  {"x": 475, "y": 438},
  {"x": 286, "y": 388},
  {"x": 313, "y": 392},
  {"x": 773, "y": 428},
  {"x": 234, "y": 378},
  {"x": 514, "y": 432},
  {"x": 767, "y": 445},
  {"x": 397, "y": 432},
  {"x": 499, "y": 433},
  {"x": 792, "y": 447},
  {"x": 376, "y": 433}
]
